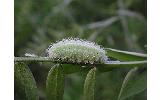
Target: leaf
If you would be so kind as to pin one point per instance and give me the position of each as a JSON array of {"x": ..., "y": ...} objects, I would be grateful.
[
  {"x": 125, "y": 55},
  {"x": 112, "y": 65},
  {"x": 25, "y": 85},
  {"x": 73, "y": 68},
  {"x": 89, "y": 85},
  {"x": 134, "y": 83},
  {"x": 55, "y": 83},
  {"x": 115, "y": 64}
]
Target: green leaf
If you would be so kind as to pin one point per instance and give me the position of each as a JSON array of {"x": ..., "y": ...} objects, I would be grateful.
[
  {"x": 114, "y": 64},
  {"x": 89, "y": 85},
  {"x": 125, "y": 55},
  {"x": 73, "y": 68},
  {"x": 55, "y": 83},
  {"x": 134, "y": 83},
  {"x": 25, "y": 85}
]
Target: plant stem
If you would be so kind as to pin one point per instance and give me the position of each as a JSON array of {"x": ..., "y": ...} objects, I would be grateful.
[
  {"x": 39, "y": 59},
  {"x": 47, "y": 59}
]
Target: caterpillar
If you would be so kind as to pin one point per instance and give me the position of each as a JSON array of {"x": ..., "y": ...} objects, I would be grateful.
[{"x": 77, "y": 50}]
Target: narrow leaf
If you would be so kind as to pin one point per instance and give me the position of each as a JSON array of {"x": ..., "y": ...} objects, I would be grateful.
[
  {"x": 25, "y": 85},
  {"x": 89, "y": 85},
  {"x": 125, "y": 55},
  {"x": 134, "y": 83},
  {"x": 115, "y": 64},
  {"x": 73, "y": 68},
  {"x": 55, "y": 83}
]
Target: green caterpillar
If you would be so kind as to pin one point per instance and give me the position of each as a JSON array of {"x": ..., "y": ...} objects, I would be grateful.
[{"x": 76, "y": 50}]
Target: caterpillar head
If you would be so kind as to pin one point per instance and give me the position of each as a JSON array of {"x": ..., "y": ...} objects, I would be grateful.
[{"x": 76, "y": 50}]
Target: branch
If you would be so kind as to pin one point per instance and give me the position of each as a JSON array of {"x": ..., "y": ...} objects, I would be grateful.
[
  {"x": 47, "y": 59},
  {"x": 39, "y": 59},
  {"x": 124, "y": 25},
  {"x": 103, "y": 23},
  {"x": 129, "y": 13}
]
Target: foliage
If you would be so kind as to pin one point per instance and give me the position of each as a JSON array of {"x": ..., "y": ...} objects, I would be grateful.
[
  {"x": 55, "y": 78},
  {"x": 134, "y": 83},
  {"x": 119, "y": 24},
  {"x": 89, "y": 85},
  {"x": 55, "y": 83},
  {"x": 25, "y": 83}
]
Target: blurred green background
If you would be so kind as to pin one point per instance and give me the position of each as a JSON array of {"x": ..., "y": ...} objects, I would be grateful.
[{"x": 119, "y": 24}]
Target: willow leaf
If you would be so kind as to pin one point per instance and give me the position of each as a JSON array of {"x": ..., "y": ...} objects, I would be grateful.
[
  {"x": 125, "y": 55},
  {"x": 134, "y": 83},
  {"x": 73, "y": 68},
  {"x": 25, "y": 85},
  {"x": 89, "y": 85},
  {"x": 115, "y": 64},
  {"x": 55, "y": 83}
]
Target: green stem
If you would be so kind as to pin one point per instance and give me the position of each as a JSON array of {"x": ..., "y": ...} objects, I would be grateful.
[
  {"x": 47, "y": 59},
  {"x": 75, "y": 67},
  {"x": 38, "y": 59}
]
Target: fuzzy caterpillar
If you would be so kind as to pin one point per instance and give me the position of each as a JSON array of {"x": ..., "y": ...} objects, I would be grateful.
[{"x": 76, "y": 50}]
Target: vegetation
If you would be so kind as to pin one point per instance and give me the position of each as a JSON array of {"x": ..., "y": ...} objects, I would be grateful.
[{"x": 119, "y": 24}]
